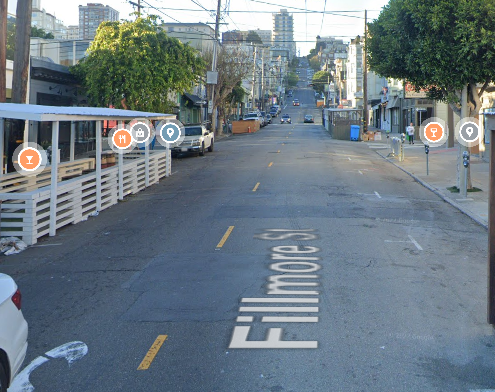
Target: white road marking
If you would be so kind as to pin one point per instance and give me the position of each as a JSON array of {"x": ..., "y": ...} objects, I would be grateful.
[
  {"x": 289, "y": 319},
  {"x": 287, "y": 309},
  {"x": 377, "y": 195},
  {"x": 71, "y": 351},
  {"x": 282, "y": 300},
  {"x": 415, "y": 242},
  {"x": 245, "y": 319},
  {"x": 360, "y": 172},
  {"x": 349, "y": 158}
]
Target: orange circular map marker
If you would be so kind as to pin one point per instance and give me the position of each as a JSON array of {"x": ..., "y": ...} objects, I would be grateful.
[
  {"x": 122, "y": 139},
  {"x": 29, "y": 159},
  {"x": 434, "y": 132}
]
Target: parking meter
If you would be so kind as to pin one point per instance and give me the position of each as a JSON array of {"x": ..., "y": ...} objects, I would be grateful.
[
  {"x": 427, "y": 149},
  {"x": 465, "y": 159},
  {"x": 403, "y": 137}
]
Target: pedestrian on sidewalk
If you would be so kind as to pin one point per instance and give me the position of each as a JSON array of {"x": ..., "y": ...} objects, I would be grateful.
[{"x": 410, "y": 133}]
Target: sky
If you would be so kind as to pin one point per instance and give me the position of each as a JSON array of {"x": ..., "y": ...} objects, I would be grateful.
[{"x": 344, "y": 19}]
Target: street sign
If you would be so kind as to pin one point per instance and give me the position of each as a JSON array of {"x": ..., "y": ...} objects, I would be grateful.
[
  {"x": 211, "y": 77},
  {"x": 210, "y": 107}
]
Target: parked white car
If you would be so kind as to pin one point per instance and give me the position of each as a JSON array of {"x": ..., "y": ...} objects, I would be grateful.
[
  {"x": 13, "y": 332},
  {"x": 196, "y": 140}
]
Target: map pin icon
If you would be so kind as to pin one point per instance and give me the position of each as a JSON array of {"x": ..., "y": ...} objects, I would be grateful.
[
  {"x": 170, "y": 132},
  {"x": 469, "y": 131}
]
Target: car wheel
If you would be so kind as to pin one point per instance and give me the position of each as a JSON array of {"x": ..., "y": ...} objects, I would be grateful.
[
  {"x": 210, "y": 149},
  {"x": 202, "y": 152},
  {"x": 3, "y": 379}
]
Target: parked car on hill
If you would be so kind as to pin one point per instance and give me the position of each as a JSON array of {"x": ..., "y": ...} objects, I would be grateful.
[
  {"x": 196, "y": 140},
  {"x": 13, "y": 332}
]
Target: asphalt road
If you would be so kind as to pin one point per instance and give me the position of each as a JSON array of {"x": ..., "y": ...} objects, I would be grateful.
[{"x": 399, "y": 278}]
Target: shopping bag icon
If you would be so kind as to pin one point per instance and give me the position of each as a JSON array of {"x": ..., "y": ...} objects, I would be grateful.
[{"x": 139, "y": 133}]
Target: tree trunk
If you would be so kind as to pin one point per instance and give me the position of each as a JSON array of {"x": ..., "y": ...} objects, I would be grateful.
[
  {"x": 3, "y": 51},
  {"x": 21, "y": 55}
]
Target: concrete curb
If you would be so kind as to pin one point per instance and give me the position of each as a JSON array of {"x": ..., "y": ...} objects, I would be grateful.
[{"x": 438, "y": 193}]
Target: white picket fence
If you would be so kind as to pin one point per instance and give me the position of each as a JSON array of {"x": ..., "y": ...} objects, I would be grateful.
[{"x": 26, "y": 215}]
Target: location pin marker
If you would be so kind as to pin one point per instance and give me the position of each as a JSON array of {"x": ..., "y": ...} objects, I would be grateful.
[
  {"x": 469, "y": 131},
  {"x": 170, "y": 132}
]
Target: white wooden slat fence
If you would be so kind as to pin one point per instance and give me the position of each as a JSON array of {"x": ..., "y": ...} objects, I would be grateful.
[{"x": 27, "y": 214}]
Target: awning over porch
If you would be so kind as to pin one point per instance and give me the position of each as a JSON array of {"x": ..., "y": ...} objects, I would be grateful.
[
  {"x": 73, "y": 113},
  {"x": 195, "y": 99}
]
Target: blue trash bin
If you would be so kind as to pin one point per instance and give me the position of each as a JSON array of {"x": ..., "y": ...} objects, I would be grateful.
[{"x": 355, "y": 132}]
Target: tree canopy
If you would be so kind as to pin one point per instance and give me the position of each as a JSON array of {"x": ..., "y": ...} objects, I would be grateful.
[
  {"x": 320, "y": 80},
  {"x": 437, "y": 45},
  {"x": 292, "y": 79},
  {"x": 254, "y": 38},
  {"x": 135, "y": 65},
  {"x": 233, "y": 65},
  {"x": 37, "y": 32}
]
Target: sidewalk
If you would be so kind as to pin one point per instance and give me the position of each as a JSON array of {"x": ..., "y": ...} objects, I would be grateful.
[{"x": 442, "y": 174}]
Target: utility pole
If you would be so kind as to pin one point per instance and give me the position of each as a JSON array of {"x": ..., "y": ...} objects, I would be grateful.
[
  {"x": 262, "y": 82},
  {"x": 365, "y": 75},
  {"x": 3, "y": 51},
  {"x": 138, "y": 5},
  {"x": 213, "y": 121},
  {"x": 254, "y": 78},
  {"x": 21, "y": 54}
]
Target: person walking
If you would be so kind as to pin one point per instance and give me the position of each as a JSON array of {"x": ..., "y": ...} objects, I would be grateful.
[{"x": 410, "y": 133}]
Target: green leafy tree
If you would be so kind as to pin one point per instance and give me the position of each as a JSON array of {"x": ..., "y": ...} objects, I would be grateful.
[
  {"x": 437, "y": 45},
  {"x": 135, "y": 65},
  {"x": 40, "y": 33},
  {"x": 10, "y": 39},
  {"x": 292, "y": 79},
  {"x": 254, "y": 38},
  {"x": 320, "y": 80},
  {"x": 441, "y": 46},
  {"x": 314, "y": 62}
]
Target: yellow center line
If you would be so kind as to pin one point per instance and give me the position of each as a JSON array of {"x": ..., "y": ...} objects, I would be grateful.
[
  {"x": 256, "y": 187},
  {"x": 225, "y": 237},
  {"x": 150, "y": 356},
  {"x": 278, "y": 152},
  {"x": 270, "y": 164}
]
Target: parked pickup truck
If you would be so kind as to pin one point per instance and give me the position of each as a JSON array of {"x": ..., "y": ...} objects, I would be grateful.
[{"x": 197, "y": 139}]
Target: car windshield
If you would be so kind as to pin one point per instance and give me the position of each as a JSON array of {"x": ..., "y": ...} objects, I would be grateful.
[
  {"x": 285, "y": 116},
  {"x": 193, "y": 131}
]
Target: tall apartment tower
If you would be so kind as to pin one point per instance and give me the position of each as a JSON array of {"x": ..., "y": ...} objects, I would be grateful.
[
  {"x": 91, "y": 16},
  {"x": 283, "y": 33}
]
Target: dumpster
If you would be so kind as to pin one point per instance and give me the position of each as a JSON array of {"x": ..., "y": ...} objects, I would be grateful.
[{"x": 355, "y": 132}]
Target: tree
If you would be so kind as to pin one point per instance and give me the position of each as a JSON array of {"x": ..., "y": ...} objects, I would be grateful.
[
  {"x": 233, "y": 65},
  {"x": 40, "y": 33},
  {"x": 10, "y": 38},
  {"x": 135, "y": 65},
  {"x": 254, "y": 38},
  {"x": 292, "y": 79},
  {"x": 440, "y": 46},
  {"x": 314, "y": 62},
  {"x": 320, "y": 80},
  {"x": 21, "y": 54}
]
